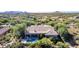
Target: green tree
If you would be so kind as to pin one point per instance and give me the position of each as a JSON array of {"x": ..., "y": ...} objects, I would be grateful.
[
  {"x": 62, "y": 30},
  {"x": 18, "y": 29},
  {"x": 43, "y": 43}
]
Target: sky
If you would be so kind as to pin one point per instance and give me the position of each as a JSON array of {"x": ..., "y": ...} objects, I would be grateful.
[{"x": 39, "y": 5}]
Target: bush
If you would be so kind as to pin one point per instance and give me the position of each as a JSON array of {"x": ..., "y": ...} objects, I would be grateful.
[
  {"x": 17, "y": 45},
  {"x": 43, "y": 43},
  {"x": 62, "y": 45}
]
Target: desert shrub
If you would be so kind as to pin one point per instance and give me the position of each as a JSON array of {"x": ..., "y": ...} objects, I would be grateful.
[{"x": 43, "y": 43}]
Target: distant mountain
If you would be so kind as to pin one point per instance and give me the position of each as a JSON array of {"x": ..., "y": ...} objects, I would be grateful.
[
  {"x": 21, "y": 12},
  {"x": 12, "y": 12}
]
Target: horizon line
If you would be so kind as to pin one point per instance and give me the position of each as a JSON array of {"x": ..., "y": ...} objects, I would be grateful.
[{"x": 39, "y": 11}]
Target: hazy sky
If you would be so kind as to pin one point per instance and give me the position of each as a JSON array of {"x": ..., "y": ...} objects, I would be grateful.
[{"x": 39, "y": 5}]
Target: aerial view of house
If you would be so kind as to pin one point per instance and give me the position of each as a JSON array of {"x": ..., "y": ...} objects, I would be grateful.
[
  {"x": 39, "y": 27},
  {"x": 34, "y": 31},
  {"x": 39, "y": 30}
]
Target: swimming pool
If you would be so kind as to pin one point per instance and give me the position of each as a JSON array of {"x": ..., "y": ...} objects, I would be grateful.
[{"x": 31, "y": 38}]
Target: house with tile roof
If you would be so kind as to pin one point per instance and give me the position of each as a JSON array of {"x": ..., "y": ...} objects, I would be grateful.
[{"x": 37, "y": 30}]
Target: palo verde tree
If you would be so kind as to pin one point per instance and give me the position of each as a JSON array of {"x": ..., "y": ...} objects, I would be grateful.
[{"x": 62, "y": 30}]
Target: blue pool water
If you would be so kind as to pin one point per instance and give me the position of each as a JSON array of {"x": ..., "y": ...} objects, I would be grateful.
[{"x": 31, "y": 39}]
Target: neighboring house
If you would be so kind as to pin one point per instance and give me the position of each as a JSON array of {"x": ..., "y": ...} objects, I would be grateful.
[
  {"x": 73, "y": 29},
  {"x": 3, "y": 31},
  {"x": 33, "y": 32}
]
